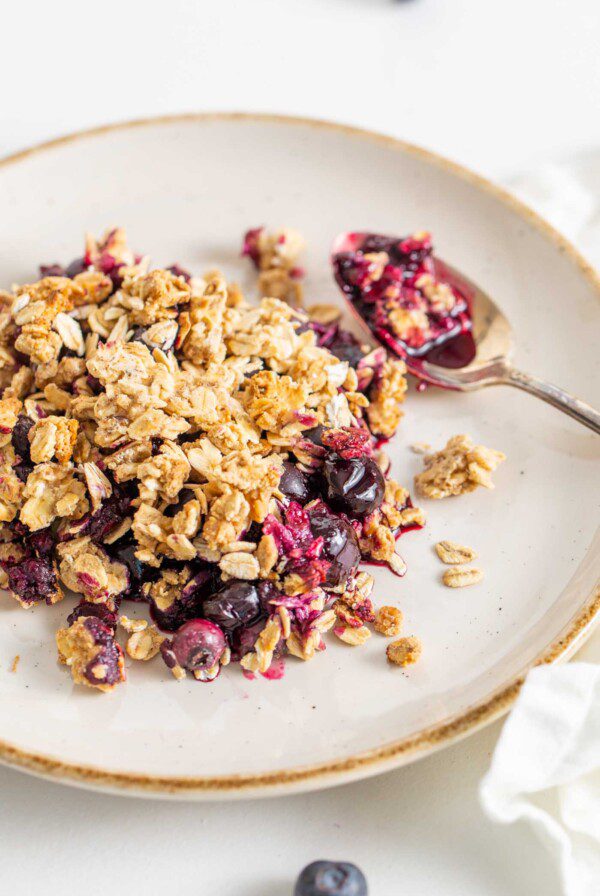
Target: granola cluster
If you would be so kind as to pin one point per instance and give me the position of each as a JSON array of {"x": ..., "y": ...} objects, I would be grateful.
[
  {"x": 458, "y": 468},
  {"x": 163, "y": 440}
]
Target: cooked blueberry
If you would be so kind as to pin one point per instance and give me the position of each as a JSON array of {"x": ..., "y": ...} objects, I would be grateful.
[
  {"x": 20, "y": 437},
  {"x": 137, "y": 334},
  {"x": 295, "y": 484},
  {"x": 178, "y": 271},
  {"x": 109, "y": 659},
  {"x": 346, "y": 348},
  {"x": 340, "y": 545},
  {"x": 22, "y": 471},
  {"x": 315, "y": 435},
  {"x": 187, "y": 604},
  {"x": 32, "y": 580},
  {"x": 101, "y": 611},
  {"x": 237, "y": 604},
  {"x": 124, "y": 552},
  {"x": 52, "y": 270},
  {"x": 77, "y": 266},
  {"x": 198, "y": 645},
  {"x": 354, "y": 485},
  {"x": 185, "y": 495},
  {"x": 331, "y": 879},
  {"x": 110, "y": 514}
]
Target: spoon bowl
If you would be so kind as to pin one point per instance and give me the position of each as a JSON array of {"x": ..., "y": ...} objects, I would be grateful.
[{"x": 487, "y": 360}]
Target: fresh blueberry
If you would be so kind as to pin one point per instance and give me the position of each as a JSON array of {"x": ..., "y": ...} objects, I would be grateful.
[
  {"x": 354, "y": 486},
  {"x": 331, "y": 879},
  {"x": 340, "y": 545},
  {"x": 237, "y": 604}
]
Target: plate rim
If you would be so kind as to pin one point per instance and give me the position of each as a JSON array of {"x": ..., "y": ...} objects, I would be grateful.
[{"x": 398, "y": 752}]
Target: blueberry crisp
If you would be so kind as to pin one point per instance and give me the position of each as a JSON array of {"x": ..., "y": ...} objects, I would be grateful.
[{"x": 166, "y": 442}]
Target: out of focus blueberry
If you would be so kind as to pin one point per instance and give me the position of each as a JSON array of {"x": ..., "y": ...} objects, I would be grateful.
[{"x": 331, "y": 879}]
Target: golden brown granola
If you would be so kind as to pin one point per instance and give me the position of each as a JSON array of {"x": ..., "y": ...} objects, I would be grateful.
[
  {"x": 150, "y": 430},
  {"x": 461, "y": 576},
  {"x": 453, "y": 553},
  {"x": 404, "y": 652},
  {"x": 458, "y": 468},
  {"x": 388, "y": 621}
]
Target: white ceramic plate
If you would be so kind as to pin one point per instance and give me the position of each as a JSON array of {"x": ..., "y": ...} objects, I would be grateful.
[{"x": 186, "y": 188}]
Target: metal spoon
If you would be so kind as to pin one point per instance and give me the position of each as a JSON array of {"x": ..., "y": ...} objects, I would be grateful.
[{"x": 491, "y": 365}]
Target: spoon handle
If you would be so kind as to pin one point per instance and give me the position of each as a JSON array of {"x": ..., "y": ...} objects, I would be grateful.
[{"x": 579, "y": 410}]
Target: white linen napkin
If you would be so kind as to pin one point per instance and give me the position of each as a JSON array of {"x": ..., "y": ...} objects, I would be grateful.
[
  {"x": 546, "y": 769},
  {"x": 546, "y": 765}
]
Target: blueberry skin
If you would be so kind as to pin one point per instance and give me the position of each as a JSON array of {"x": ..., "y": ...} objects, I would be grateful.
[
  {"x": 296, "y": 484},
  {"x": 340, "y": 545},
  {"x": 331, "y": 879},
  {"x": 355, "y": 485},
  {"x": 237, "y": 604}
]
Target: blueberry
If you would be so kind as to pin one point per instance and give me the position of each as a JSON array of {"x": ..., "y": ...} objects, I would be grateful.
[
  {"x": 109, "y": 656},
  {"x": 354, "y": 485},
  {"x": 296, "y": 484},
  {"x": 77, "y": 266},
  {"x": 198, "y": 645},
  {"x": 331, "y": 879},
  {"x": 186, "y": 605},
  {"x": 20, "y": 437},
  {"x": 101, "y": 611},
  {"x": 237, "y": 604},
  {"x": 315, "y": 435},
  {"x": 340, "y": 545},
  {"x": 123, "y": 550},
  {"x": 52, "y": 270},
  {"x": 32, "y": 580},
  {"x": 345, "y": 351}
]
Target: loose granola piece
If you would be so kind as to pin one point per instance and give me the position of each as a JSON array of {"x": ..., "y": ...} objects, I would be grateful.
[
  {"x": 453, "y": 553},
  {"x": 388, "y": 621},
  {"x": 404, "y": 652},
  {"x": 458, "y": 468},
  {"x": 421, "y": 448},
  {"x": 144, "y": 643},
  {"x": 460, "y": 577},
  {"x": 89, "y": 649}
]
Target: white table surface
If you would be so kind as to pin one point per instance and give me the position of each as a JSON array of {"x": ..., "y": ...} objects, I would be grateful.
[{"x": 500, "y": 85}]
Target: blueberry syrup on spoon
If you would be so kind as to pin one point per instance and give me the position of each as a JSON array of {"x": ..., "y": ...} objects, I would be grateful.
[{"x": 399, "y": 291}]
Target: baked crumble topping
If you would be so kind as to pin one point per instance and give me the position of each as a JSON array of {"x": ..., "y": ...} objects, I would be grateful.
[
  {"x": 458, "y": 468},
  {"x": 165, "y": 441}
]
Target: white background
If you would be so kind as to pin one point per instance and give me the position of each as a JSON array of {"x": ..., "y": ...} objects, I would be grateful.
[{"x": 500, "y": 85}]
